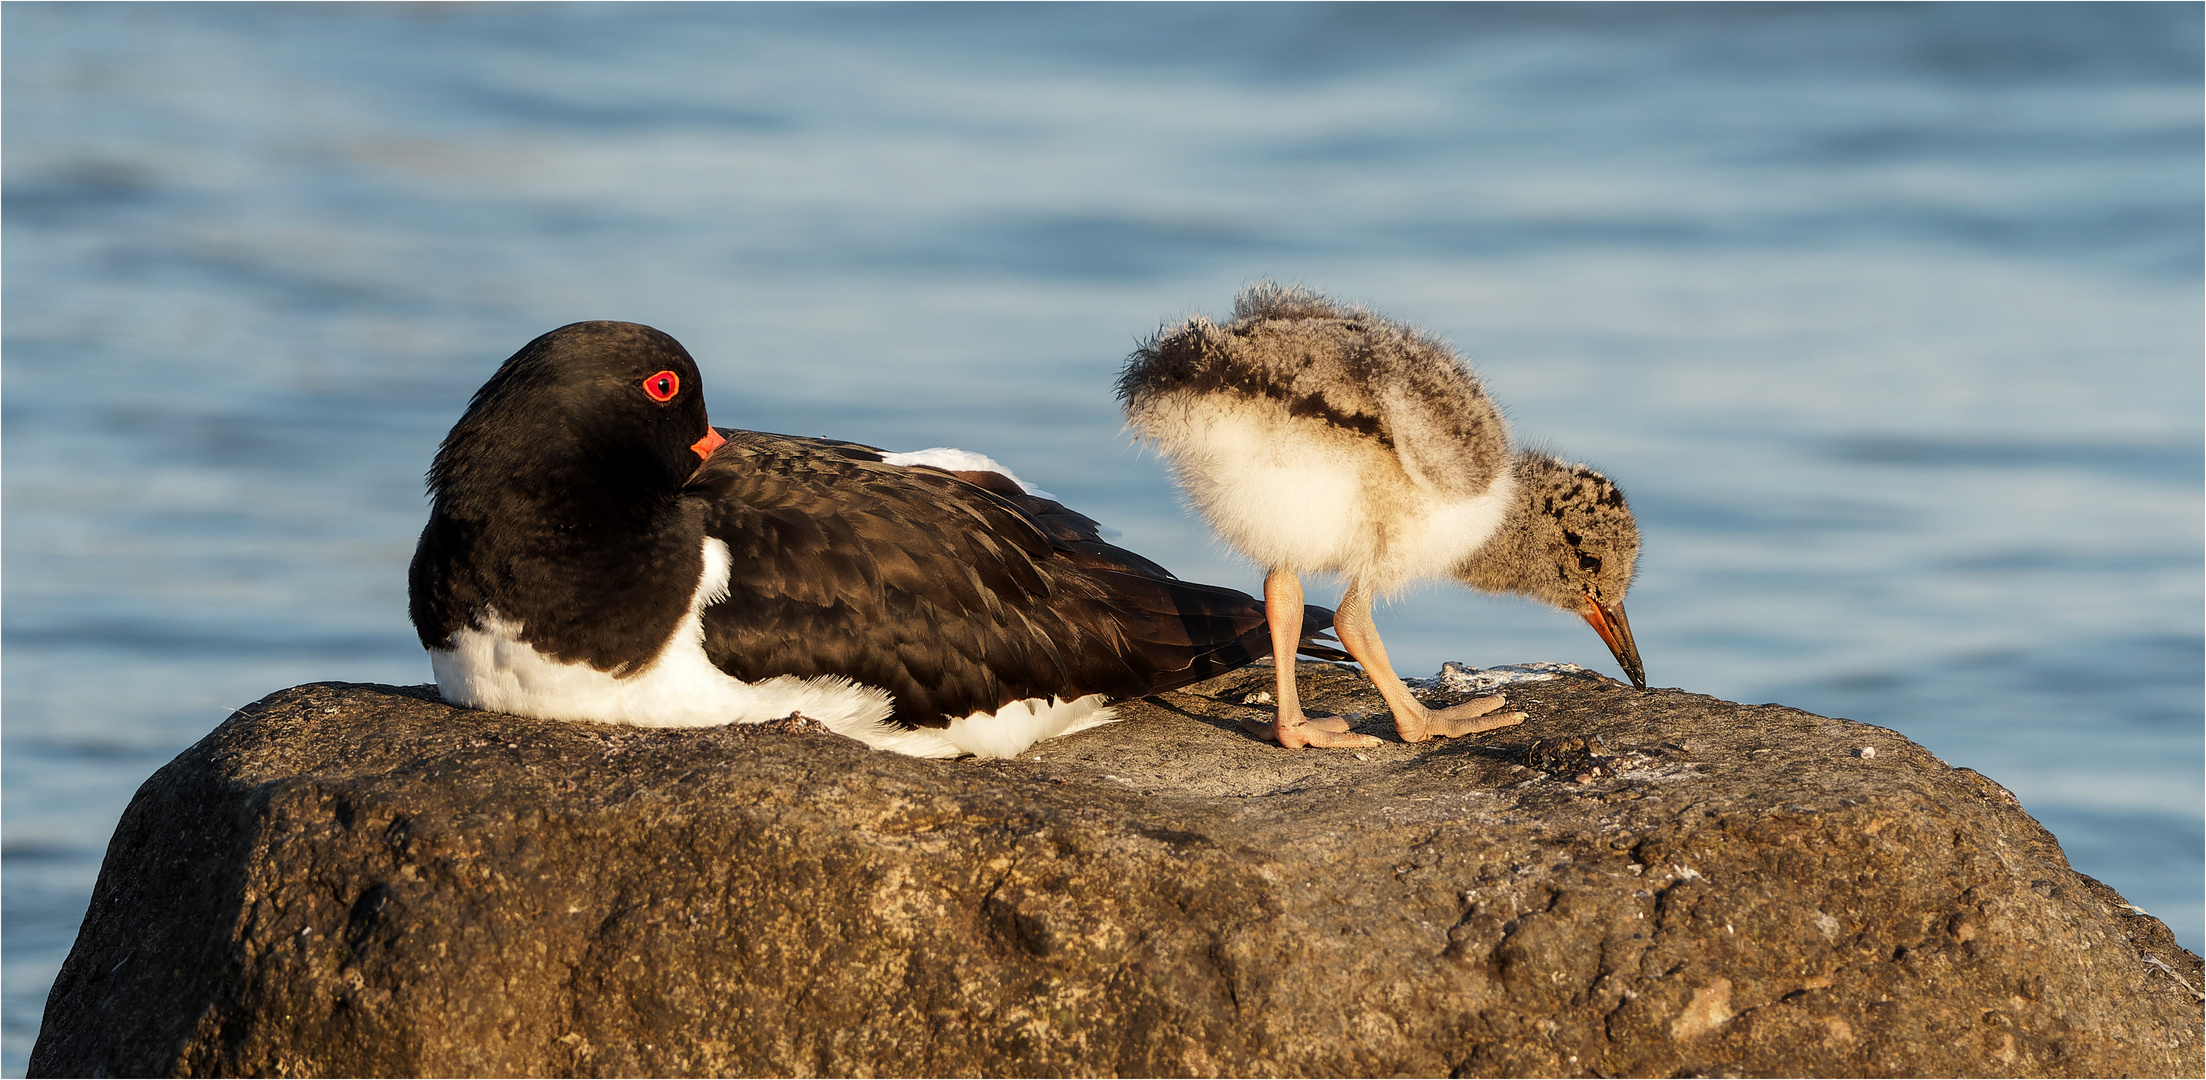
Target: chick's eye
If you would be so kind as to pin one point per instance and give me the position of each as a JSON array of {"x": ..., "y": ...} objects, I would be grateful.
[
  {"x": 663, "y": 386},
  {"x": 1591, "y": 564}
]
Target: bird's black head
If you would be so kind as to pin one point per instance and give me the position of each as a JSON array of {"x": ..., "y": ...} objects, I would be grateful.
[
  {"x": 560, "y": 499},
  {"x": 591, "y": 405}
]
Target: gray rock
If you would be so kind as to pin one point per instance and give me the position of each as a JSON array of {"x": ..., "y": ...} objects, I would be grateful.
[{"x": 359, "y": 880}]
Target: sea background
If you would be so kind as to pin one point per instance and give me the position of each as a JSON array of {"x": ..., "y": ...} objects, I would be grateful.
[{"x": 1887, "y": 318}]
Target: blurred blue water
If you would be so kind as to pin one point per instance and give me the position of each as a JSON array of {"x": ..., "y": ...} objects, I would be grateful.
[{"x": 1887, "y": 318}]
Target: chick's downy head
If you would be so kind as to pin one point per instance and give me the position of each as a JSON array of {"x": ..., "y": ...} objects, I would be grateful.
[{"x": 1570, "y": 543}]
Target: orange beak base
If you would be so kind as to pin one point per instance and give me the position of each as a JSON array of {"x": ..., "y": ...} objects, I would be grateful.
[
  {"x": 1608, "y": 621},
  {"x": 705, "y": 446}
]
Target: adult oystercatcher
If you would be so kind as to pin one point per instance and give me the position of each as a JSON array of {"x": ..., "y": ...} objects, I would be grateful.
[
  {"x": 597, "y": 551},
  {"x": 1318, "y": 437}
]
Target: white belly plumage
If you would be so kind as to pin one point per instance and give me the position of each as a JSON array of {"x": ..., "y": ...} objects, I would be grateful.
[
  {"x": 490, "y": 668},
  {"x": 1295, "y": 494}
]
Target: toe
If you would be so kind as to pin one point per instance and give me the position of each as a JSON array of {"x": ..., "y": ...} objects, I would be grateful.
[
  {"x": 1473, "y": 707},
  {"x": 1310, "y": 734},
  {"x": 1328, "y": 722},
  {"x": 1457, "y": 727}
]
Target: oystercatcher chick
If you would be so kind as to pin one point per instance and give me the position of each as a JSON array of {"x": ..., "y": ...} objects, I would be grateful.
[
  {"x": 1318, "y": 437},
  {"x": 597, "y": 551}
]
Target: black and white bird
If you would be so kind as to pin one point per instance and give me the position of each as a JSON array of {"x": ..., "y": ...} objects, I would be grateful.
[
  {"x": 1321, "y": 438},
  {"x": 598, "y": 551}
]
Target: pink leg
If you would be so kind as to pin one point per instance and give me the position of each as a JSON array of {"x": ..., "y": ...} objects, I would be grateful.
[
  {"x": 1283, "y": 605},
  {"x": 1412, "y": 720}
]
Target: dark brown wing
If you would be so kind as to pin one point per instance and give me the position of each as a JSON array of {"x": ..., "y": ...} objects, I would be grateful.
[
  {"x": 953, "y": 596},
  {"x": 1080, "y": 538},
  {"x": 1076, "y": 535}
]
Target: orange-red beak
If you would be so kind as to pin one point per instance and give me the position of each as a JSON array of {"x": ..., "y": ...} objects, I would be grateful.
[
  {"x": 711, "y": 442},
  {"x": 1608, "y": 621}
]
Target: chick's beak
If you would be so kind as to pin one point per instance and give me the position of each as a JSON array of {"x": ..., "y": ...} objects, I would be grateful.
[
  {"x": 704, "y": 447},
  {"x": 1608, "y": 621}
]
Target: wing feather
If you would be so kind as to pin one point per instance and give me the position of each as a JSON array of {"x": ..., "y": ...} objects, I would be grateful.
[{"x": 954, "y": 592}]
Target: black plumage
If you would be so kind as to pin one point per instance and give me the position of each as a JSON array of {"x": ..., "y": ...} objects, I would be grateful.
[
  {"x": 953, "y": 597},
  {"x": 557, "y": 499}
]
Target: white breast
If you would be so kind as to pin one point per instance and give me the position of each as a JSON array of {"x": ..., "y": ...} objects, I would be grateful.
[
  {"x": 1294, "y": 493},
  {"x": 491, "y": 668}
]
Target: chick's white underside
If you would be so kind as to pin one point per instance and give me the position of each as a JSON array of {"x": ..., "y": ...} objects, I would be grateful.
[{"x": 1295, "y": 493}]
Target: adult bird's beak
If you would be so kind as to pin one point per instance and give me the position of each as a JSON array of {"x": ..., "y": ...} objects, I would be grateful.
[
  {"x": 1608, "y": 621},
  {"x": 712, "y": 441}
]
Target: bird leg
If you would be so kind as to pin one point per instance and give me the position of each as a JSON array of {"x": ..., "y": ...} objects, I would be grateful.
[
  {"x": 1416, "y": 723},
  {"x": 1283, "y": 608}
]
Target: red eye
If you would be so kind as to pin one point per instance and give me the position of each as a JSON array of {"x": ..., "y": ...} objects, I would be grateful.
[{"x": 663, "y": 386}]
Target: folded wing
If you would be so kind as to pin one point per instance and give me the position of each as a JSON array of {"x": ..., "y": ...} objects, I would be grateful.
[{"x": 956, "y": 593}]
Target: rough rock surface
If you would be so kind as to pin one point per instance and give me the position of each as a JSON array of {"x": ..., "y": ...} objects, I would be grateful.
[{"x": 358, "y": 880}]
